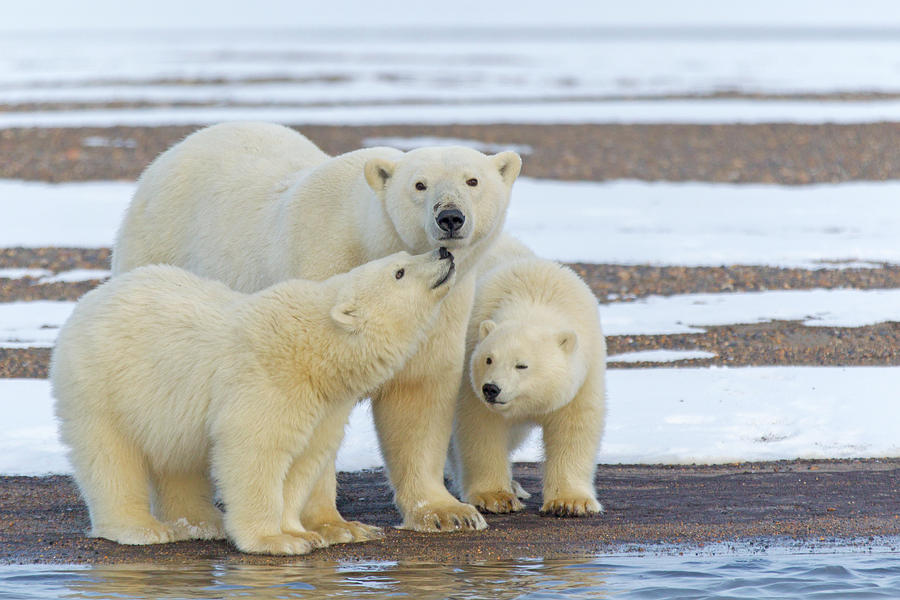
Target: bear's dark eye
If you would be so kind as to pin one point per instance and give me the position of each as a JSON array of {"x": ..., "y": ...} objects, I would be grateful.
[
  {"x": 489, "y": 361},
  {"x": 399, "y": 274},
  {"x": 472, "y": 182},
  {"x": 521, "y": 366},
  {"x": 421, "y": 186}
]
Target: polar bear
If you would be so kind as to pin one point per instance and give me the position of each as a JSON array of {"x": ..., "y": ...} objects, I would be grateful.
[
  {"x": 168, "y": 381},
  {"x": 251, "y": 204},
  {"x": 537, "y": 356}
]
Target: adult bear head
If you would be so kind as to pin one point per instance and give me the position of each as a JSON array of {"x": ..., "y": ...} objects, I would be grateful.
[{"x": 452, "y": 196}]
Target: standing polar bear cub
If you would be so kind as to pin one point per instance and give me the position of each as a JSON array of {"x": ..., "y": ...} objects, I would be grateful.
[
  {"x": 252, "y": 204},
  {"x": 537, "y": 357},
  {"x": 168, "y": 379}
]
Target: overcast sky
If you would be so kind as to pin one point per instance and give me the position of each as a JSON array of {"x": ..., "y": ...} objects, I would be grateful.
[{"x": 122, "y": 14}]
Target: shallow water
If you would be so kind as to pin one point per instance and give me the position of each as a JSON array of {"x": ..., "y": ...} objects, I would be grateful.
[{"x": 845, "y": 576}]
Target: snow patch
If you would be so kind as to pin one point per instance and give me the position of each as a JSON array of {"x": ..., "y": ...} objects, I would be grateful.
[
  {"x": 623, "y": 222},
  {"x": 14, "y": 273},
  {"x": 77, "y": 275},
  {"x": 689, "y": 313},
  {"x": 704, "y": 416},
  {"x": 659, "y": 356},
  {"x": 410, "y": 143},
  {"x": 32, "y": 324}
]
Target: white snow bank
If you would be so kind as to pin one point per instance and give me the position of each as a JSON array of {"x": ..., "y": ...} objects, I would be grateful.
[
  {"x": 762, "y": 413},
  {"x": 67, "y": 214},
  {"x": 716, "y": 111},
  {"x": 32, "y": 324},
  {"x": 77, "y": 275},
  {"x": 630, "y": 222},
  {"x": 622, "y": 222},
  {"x": 14, "y": 273},
  {"x": 659, "y": 356},
  {"x": 28, "y": 432},
  {"x": 714, "y": 415},
  {"x": 45, "y": 276},
  {"x": 410, "y": 143},
  {"x": 689, "y": 313}
]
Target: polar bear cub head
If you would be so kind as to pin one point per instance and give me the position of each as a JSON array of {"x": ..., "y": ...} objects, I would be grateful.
[
  {"x": 523, "y": 370},
  {"x": 393, "y": 297},
  {"x": 444, "y": 196}
]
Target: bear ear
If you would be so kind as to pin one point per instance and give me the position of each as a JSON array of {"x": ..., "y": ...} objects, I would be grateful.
[
  {"x": 485, "y": 329},
  {"x": 378, "y": 171},
  {"x": 508, "y": 165},
  {"x": 346, "y": 316},
  {"x": 567, "y": 340}
]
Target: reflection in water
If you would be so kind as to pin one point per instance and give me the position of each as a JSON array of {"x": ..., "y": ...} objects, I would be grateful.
[
  {"x": 762, "y": 577},
  {"x": 423, "y": 581}
]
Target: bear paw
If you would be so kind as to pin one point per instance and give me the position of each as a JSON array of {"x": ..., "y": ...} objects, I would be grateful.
[
  {"x": 519, "y": 491},
  {"x": 303, "y": 542},
  {"x": 346, "y": 532},
  {"x": 444, "y": 517},
  {"x": 573, "y": 506},
  {"x": 149, "y": 532},
  {"x": 498, "y": 501},
  {"x": 201, "y": 530}
]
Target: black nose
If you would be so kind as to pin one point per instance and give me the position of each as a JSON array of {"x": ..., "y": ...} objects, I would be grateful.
[
  {"x": 490, "y": 391},
  {"x": 451, "y": 220}
]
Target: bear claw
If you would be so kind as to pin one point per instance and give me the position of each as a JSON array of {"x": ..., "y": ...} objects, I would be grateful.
[
  {"x": 458, "y": 517},
  {"x": 499, "y": 501},
  {"x": 571, "y": 507}
]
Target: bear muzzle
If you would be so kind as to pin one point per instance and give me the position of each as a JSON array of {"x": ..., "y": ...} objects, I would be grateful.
[
  {"x": 491, "y": 392},
  {"x": 450, "y": 221}
]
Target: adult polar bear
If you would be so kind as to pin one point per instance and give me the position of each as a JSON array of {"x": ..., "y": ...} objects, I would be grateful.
[{"x": 252, "y": 204}]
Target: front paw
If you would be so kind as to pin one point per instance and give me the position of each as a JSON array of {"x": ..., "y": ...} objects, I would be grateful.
[
  {"x": 200, "y": 530},
  {"x": 282, "y": 544},
  {"x": 345, "y": 532},
  {"x": 519, "y": 491},
  {"x": 571, "y": 506},
  {"x": 498, "y": 501},
  {"x": 444, "y": 517}
]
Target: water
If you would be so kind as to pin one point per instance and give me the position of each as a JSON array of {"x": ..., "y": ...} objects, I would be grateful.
[{"x": 760, "y": 577}]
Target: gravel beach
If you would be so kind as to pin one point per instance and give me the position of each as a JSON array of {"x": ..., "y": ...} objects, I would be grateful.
[
  {"x": 800, "y": 503},
  {"x": 765, "y": 153}
]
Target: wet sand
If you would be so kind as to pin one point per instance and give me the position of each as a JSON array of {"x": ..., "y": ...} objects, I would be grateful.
[{"x": 804, "y": 504}]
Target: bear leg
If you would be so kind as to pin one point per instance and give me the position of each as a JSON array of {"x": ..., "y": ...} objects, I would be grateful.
[
  {"x": 251, "y": 480},
  {"x": 111, "y": 472},
  {"x": 310, "y": 500},
  {"x": 571, "y": 439},
  {"x": 185, "y": 500},
  {"x": 321, "y": 515},
  {"x": 414, "y": 420},
  {"x": 482, "y": 444}
]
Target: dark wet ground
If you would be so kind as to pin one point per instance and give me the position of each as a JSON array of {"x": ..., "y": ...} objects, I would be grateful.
[{"x": 802, "y": 502}]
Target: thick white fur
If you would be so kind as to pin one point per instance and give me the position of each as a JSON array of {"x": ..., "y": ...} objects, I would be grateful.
[
  {"x": 167, "y": 381},
  {"x": 538, "y": 314},
  {"x": 251, "y": 204}
]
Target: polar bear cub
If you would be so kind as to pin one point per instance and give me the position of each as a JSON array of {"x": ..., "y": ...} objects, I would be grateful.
[
  {"x": 537, "y": 356},
  {"x": 167, "y": 381}
]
